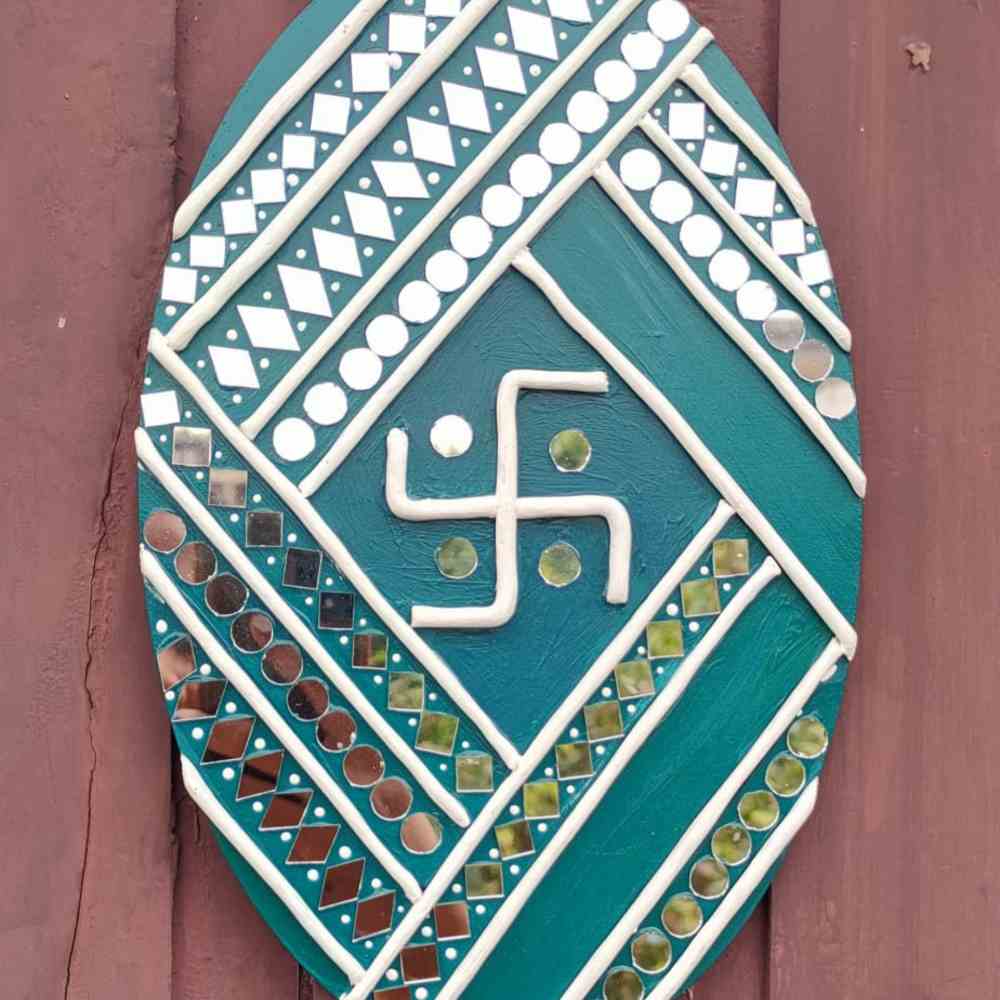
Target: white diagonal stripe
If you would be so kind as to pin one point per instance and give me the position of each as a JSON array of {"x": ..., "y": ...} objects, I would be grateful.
[
  {"x": 203, "y": 798},
  {"x": 733, "y": 328},
  {"x": 703, "y": 824},
  {"x": 540, "y": 746},
  {"x": 284, "y": 100},
  {"x": 336, "y": 550},
  {"x": 630, "y": 746},
  {"x": 221, "y": 539},
  {"x": 231, "y": 670},
  {"x": 527, "y": 231},
  {"x": 265, "y": 246},
  {"x": 414, "y": 240}
]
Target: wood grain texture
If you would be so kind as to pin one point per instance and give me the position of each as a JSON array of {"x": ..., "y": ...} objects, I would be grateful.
[{"x": 893, "y": 891}]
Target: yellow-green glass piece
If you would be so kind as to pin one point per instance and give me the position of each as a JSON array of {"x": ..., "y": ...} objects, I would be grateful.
[
  {"x": 406, "y": 692},
  {"x": 709, "y": 879},
  {"x": 559, "y": 565},
  {"x": 604, "y": 721},
  {"x": 541, "y": 799},
  {"x": 570, "y": 450},
  {"x": 573, "y": 760},
  {"x": 634, "y": 679},
  {"x": 514, "y": 839},
  {"x": 785, "y": 776},
  {"x": 664, "y": 639},
  {"x": 474, "y": 772},
  {"x": 456, "y": 558},
  {"x": 651, "y": 951},
  {"x": 623, "y": 984},
  {"x": 808, "y": 737},
  {"x": 759, "y": 810},
  {"x": 437, "y": 732},
  {"x": 700, "y": 597},
  {"x": 731, "y": 844},
  {"x": 484, "y": 880},
  {"x": 682, "y": 915},
  {"x": 731, "y": 557}
]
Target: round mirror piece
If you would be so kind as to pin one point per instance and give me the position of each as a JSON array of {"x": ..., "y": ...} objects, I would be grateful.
[
  {"x": 418, "y": 302},
  {"x": 502, "y": 205},
  {"x": 421, "y": 833},
  {"x": 530, "y": 175},
  {"x": 559, "y": 143},
  {"x": 784, "y": 330},
  {"x": 835, "y": 398},
  {"x": 447, "y": 271},
  {"x": 709, "y": 879},
  {"x": 812, "y": 360},
  {"x": 731, "y": 844},
  {"x": 701, "y": 235},
  {"x": 756, "y": 300},
  {"x": 387, "y": 335},
  {"x": 642, "y": 49},
  {"x": 623, "y": 984},
  {"x": 363, "y": 766},
  {"x": 164, "y": 531},
  {"x": 651, "y": 951},
  {"x": 668, "y": 19},
  {"x": 640, "y": 170},
  {"x": 560, "y": 565},
  {"x": 759, "y": 810},
  {"x": 195, "y": 563},
  {"x": 252, "y": 631},
  {"x": 614, "y": 80},
  {"x": 293, "y": 439},
  {"x": 785, "y": 776},
  {"x": 456, "y": 558},
  {"x": 282, "y": 663},
  {"x": 226, "y": 595},
  {"x": 471, "y": 236},
  {"x": 672, "y": 202},
  {"x": 451, "y": 436},
  {"x": 570, "y": 450},
  {"x": 325, "y": 404},
  {"x": 308, "y": 700},
  {"x": 729, "y": 270},
  {"x": 587, "y": 112},
  {"x": 360, "y": 368},
  {"x": 391, "y": 799},
  {"x": 808, "y": 737},
  {"x": 336, "y": 731},
  {"x": 682, "y": 915}
]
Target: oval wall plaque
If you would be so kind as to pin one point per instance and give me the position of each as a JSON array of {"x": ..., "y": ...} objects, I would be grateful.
[{"x": 500, "y": 497}]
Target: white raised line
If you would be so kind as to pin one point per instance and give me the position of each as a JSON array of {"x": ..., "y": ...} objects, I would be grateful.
[
  {"x": 494, "y": 931},
  {"x": 736, "y": 898},
  {"x": 756, "y": 243},
  {"x": 281, "y": 103},
  {"x": 695, "y": 78},
  {"x": 483, "y": 281},
  {"x": 151, "y": 458},
  {"x": 155, "y": 574},
  {"x": 338, "y": 552},
  {"x": 713, "y": 469},
  {"x": 540, "y": 745},
  {"x": 318, "y": 186},
  {"x": 448, "y": 201},
  {"x": 202, "y": 796},
  {"x": 733, "y": 328},
  {"x": 702, "y": 825}
]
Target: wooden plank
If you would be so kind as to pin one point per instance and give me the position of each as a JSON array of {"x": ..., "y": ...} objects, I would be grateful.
[
  {"x": 889, "y": 893},
  {"x": 85, "y": 848}
]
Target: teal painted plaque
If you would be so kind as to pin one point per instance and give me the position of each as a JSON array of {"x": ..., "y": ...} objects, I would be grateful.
[{"x": 500, "y": 497}]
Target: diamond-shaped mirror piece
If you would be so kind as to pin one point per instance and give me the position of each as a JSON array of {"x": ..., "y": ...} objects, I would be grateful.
[
  {"x": 342, "y": 883},
  {"x": 286, "y": 810},
  {"x": 260, "y": 774},
  {"x": 313, "y": 844},
  {"x": 228, "y": 740},
  {"x": 199, "y": 700},
  {"x": 501, "y": 70},
  {"x": 176, "y": 662},
  {"x": 374, "y": 915}
]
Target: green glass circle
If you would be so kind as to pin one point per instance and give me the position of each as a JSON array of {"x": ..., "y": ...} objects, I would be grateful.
[
  {"x": 759, "y": 810},
  {"x": 808, "y": 737},
  {"x": 682, "y": 915},
  {"x": 651, "y": 951},
  {"x": 785, "y": 776},
  {"x": 709, "y": 879},
  {"x": 731, "y": 844},
  {"x": 570, "y": 450},
  {"x": 623, "y": 984},
  {"x": 456, "y": 558},
  {"x": 560, "y": 565}
]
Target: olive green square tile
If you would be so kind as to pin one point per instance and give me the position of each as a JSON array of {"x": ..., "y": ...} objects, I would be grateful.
[
  {"x": 484, "y": 880},
  {"x": 700, "y": 597},
  {"x": 634, "y": 679},
  {"x": 514, "y": 839},
  {"x": 664, "y": 639},
  {"x": 437, "y": 732},
  {"x": 541, "y": 800},
  {"x": 604, "y": 721},
  {"x": 406, "y": 692},
  {"x": 573, "y": 760},
  {"x": 474, "y": 772},
  {"x": 731, "y": 557},
  {"x": 370, "y": 651}
]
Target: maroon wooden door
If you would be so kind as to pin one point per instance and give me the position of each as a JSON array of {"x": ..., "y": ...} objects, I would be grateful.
[{"x": 112, "y": 887}]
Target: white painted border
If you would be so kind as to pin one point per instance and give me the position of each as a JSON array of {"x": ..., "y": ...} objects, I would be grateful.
[
  {"x": 595, "y": 676},
  {"x": 636, "y": 738},
  {"x": 703, "y": 825},
  {"x": 310, "y": 194},
  {"x": 733, "y": 328},
  {"x": 274, "y": 602},
  {"x": 202, "y": 796},
  {"x": 231, "y": 670},
  {"x": 713, "y": 469},
  {"x": 440, "y": 211},
  {"x": 736, "y": 898},
  {"x": 695, "y": 78},
  {"x": 281, "y": 104},
  {"x": 749, "y": 236}
]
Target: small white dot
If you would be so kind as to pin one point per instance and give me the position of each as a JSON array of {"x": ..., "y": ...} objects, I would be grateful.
[
  {"x": 574, "y": 733},
  {"x": 313, "y": 875},
  {"x": 426, "y": 932},
  {"x": 345, "y": 852},
  {"x": 294, "y": 779},
  {"x": 292, "y": 538},
  {"x": 228, "y": 773},
  {"x": 480, "y": 909},
  {"x": 319, "y": 812},
  {"x": 693, "y": 626},
  {"x": 286, "y": 836},
  {"x": 451, "y": 954},
  {"x": 161, "y": 626},
  {"x": 197, "y": 732},
  {"x": 259, "y": 743},
  {"x": 543, "y": 827},
  {"x": 170, "y": 696},
  {"x": 515, "y": 810},
  {"x": 258, "y": 807},
  {"x": 671, "y": 609},
  {"x": 494, "y": 853}
]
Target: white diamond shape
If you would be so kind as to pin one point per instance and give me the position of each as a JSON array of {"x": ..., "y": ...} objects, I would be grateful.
[
  {"x": 532, "y": 33},
  {"x": 755, "y": 197},
  {"x": 180, "y": 284},
  {"x": 815, "y": 267},
  {"x": 370, "y": 72},
  {"x": 466, "y": 107},
  {"x": 687, "y": 120},
  {"x": 298, "y": 152},
  {"x": 400, "y": 180},
  {"x": 233, "y": 367},
  {"x": 443, "y": 8},
  {"x": 159, "y": 408},
  {"x": 407, "y": 32},
  {"x": 304, "y": 290},
  {"x": 239, "y": 217},
  {"x": 330, "y": 113},
  {"x": 719, "y": 158},
  {"x": 337, "y": 252},
  {"x": 570, "y": 10},
  {"x": 788, "y": 236},
  {"x": 268, "y": 328},
  {"x": 501, "y": 70},
  {"x": 207, "y": 251},
  {"x": 431, "y": 142},
  {"x": 268, "y": 186},
  {"x": 369, "y": 215}
]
